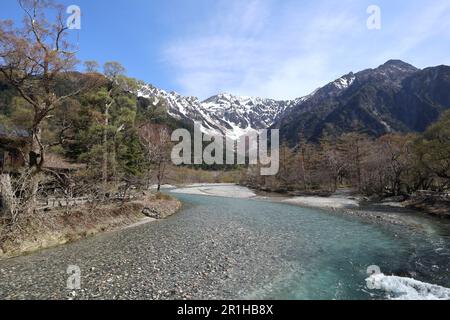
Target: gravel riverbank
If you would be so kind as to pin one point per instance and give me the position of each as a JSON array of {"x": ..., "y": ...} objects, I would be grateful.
[
  {"x": 192, "y": 255},
  {"x": 57, "y": 227},
  {"x": 223, "y": 248}
]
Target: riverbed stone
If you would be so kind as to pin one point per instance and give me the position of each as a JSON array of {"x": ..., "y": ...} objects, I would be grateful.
[{"x": 222, "y": 249}]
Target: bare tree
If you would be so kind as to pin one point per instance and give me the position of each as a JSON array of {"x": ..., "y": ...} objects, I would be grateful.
[
  {"x": 355, "y": 147},
  {"x": 287, "y": 167},
  {"x": 16, "y": 198},
  {"x": 91, "y": 66},
  {"x": 33, "y": 58},
  {"x": 156, "y": 139},
  {"x": 333, "y": 162},
  {"x": 303, "y": 153}
]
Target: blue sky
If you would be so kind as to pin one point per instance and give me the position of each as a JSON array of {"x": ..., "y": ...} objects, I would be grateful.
[{"x": 270, "y": 48}]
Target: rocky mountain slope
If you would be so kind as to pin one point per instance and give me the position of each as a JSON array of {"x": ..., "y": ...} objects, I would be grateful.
[
  {"x": 224, "y": 113},
  {"x": 395, "y": 97}
]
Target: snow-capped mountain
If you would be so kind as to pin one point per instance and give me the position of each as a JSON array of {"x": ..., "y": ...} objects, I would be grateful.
[
  {"x": 232, "y": 116},
  {"x": 394, "y": 97}
]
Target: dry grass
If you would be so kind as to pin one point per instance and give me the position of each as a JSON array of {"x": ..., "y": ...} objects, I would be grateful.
[
  {"x": 56, "y": 227},
  {"x": 46, "y": 229},
  {"x": 183, "y": 175},
  {"x": 163, "y": 196}
]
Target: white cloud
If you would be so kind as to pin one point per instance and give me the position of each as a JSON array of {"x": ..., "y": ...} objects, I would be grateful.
[
  {"x": 418, "y": 25},
  {"x": 285, "y": 49}
]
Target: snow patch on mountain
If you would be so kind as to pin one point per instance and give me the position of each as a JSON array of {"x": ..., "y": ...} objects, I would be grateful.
[
  {"x": 223, "y": 114},
  {"x": 345, "y": 82},
  {"x": 235, "y": 116}
]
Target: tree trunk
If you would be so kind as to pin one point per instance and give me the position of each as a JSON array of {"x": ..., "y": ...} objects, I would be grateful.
[
  {"x": 149, "y": 178},
  {"x": 8, "y": 203},
  {"x": 358, "y": 167},
  {"x": 36, "y": 150},
  {"x": 159, "y": 177},
  {"x": 105, "y": 147},
  {"x": 33, "y": 192},
  {"x": 113, "y": 160},
  {"x": 36, "y": 162},
  {"x": 305, "y": 182}
]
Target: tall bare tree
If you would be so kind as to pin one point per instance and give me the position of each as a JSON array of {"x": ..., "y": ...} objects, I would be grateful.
[
  {"x": 34, "y": 57},
  {"x": 333, "y": 162},
  {"x": 355, "y": 148},
  {"x": 156, "y": 139}
]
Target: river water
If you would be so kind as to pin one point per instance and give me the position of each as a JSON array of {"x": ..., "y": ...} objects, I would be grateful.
[
  {"x": 219, "y": 247},
  {"x": 329, "y": 254}
]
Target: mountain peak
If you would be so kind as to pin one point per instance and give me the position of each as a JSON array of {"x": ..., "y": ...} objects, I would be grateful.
[
  {"x": 399, "y": 64},
  {"x": 223, "y": 113},
  {"x": 235, "y": 115},
  {"x": 220, "y": 96},
  {"x": 223, "y": 94}
]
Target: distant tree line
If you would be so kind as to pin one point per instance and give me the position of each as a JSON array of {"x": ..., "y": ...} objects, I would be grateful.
[{"x": 391, "y": 165}]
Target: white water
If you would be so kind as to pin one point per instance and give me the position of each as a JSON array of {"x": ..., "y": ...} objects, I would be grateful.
[{"x": 399, "y": 288}]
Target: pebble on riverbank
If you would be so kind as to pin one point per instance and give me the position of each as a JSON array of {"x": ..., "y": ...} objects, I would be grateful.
[
  {"x": 53, "y": 228},
  {"x": 160, "y": 206},
  {"x": 431, "y": 206}
]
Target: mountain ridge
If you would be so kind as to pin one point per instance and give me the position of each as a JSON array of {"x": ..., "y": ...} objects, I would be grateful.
[
  {"x": 393, "y": 97},
  {"x": 223, "y": 113}
]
